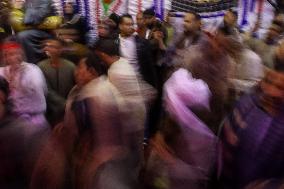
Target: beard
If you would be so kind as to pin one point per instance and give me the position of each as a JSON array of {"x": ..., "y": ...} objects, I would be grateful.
[{"x": 150, "y": 26}]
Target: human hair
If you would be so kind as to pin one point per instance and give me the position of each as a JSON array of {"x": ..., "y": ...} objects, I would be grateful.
[
  {"x": 92, "y": 61},
  {"x": 235, "y": 13},
  {"x": 196, "y": 15},
  {"x": 124, "y": 16},
  {"x": 279, "y": 25},
  {"x": 115, "y": 18},
  {"x": 107, "y": 46},
  {"x": 225, "y": 30},
  {"x": 149, "y": 12},
  {"x": 4, "y": 86},
  {"x": 278, "y": 64}
]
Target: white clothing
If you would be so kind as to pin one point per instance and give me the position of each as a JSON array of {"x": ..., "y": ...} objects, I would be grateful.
[
  {"x": 122, "y": 75},
  {"x": 248, "y": 71},
  {"x": 27, "y": 90},
  {"x": 128, "y": 50}
]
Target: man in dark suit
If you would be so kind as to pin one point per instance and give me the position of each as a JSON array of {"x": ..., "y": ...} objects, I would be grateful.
[
  {"x": 139, "y": 53},
  {"x": 136, "y": 50}
]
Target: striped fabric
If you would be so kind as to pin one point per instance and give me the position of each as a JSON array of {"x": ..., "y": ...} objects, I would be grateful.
[{"x": 196, "y": 6}]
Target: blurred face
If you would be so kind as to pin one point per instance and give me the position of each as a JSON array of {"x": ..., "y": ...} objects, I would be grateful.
[
  {"x": 149, "y": 20},
  {"x": 103, "y": 30},
  {"x": 13, "y": 56},
  {"x": 126, "y": 27},
  {"x": 273, "y": 33},
  {"x": 279, "y": 17},
  {"x": 68, "y": 8},
  {"x": 230, "y": 19},
  {"x": 140, "y": 20},
  {"x": 191, "y": 24},
  {"x": 18, "y": 4},
  {"x": 83, "y": 75},
  {"x": 53, "y": 48},
  {"x": 168, "y": 17}
]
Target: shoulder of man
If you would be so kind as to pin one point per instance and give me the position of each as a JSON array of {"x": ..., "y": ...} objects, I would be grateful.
[
  {"x": 43, "y": 63},
  {"x": 68, "y": 63}
]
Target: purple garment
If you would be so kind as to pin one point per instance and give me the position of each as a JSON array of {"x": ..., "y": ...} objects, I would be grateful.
[
  {"x": 28, "y": 90},
  {"x": 252, "y": 145},
  {"x": 196, "y": 146}
]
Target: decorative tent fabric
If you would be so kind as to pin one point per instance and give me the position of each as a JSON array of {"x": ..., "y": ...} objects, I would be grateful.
[
  {"x": 94, "y": 10},
  {"x": 211, "y": 11},
  {"x": 250, "y": 10},
  {"x": 199, "y": 7}
]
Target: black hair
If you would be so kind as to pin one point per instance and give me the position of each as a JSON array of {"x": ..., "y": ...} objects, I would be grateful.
[
  {"x": 235, "y": 13},
  {"x": 11, "y": 38},
  {"x": 158, "y": 25},
  {"x": 115, "y": 18},
  {"x": 225, "y": 30},
  {"x": 74, "y": 5},
  {"x": 278, "y": 24},
  {"x": 196, "y": 15},
  {"x": 4, "y": 86},
  {"x": 124, "y": 16},
  {"x": 108, "y": 46},
  {"x": 93, "y": 61},
  {"x": 149, "y": 12}
]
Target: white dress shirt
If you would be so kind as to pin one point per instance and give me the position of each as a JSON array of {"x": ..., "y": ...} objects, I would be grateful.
[{"x": 128, "y": 51}]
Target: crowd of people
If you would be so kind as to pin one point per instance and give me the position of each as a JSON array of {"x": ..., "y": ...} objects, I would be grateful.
[{"x": 143, "y": 106}]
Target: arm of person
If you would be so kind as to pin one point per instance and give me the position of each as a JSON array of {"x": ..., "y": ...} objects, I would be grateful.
[{"x": 159, "y": 36}]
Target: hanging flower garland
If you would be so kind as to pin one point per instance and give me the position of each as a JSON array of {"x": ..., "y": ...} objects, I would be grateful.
[
  {"x": 248, "y": 7},
  {"x": 260, "y": 7},
  {"x": 82, "y": 7},
  {"x": 139, "y": 9},
  {"x": 109, "y": 6},
  {"x": 159, "y": 8},
  {"x": 94, "y": 10},
  {"x": 58, "y": 6},
  {"x": 93, "y": 21},
  {"x": 252, "y": 5},
  {"x": 245, "y": 13},
  {"x": 135, "y": 6},
  {"x": 106, "y": 5}
]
